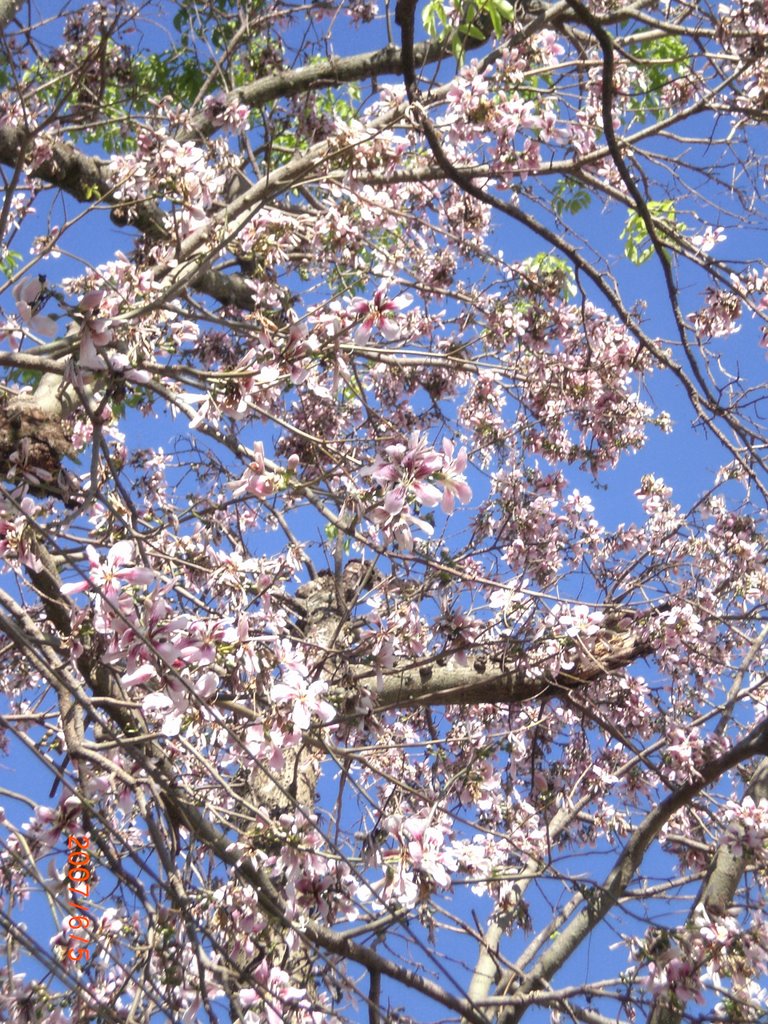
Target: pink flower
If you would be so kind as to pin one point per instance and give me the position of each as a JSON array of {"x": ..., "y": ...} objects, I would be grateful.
[
  {"x": 547, "y": 45},
  {"x": 379, "y": 312},
  {"x": 452, "y": 478},
  {"x": 29, "y": 296},
  {"x": 409, "y": 468},
  {"x": 306, "y": 698},
  {"x": 16, "y": 539},
  {"x": 392, "y": 517},
  {"x": 266, "y": 747},
  {"x": 426, "y": 852},
  {"x": 272, "y": 996},
  {"x": 95, "y": 331},
  {"x": 708, "y": 239},
  {"x": 255, "y": 480},
  {"x": 410, "y": 464},
  {"x": 106, "y": 576}
]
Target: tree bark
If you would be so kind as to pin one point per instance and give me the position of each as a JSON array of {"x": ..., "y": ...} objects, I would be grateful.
[{"x": 718, "y": 889}]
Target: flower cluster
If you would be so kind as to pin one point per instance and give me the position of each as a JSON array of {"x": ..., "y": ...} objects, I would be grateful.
[{"x": 415, "y": 471}]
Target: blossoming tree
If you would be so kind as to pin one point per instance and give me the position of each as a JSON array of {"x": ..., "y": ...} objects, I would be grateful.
[{"x": 354, "y": 664}]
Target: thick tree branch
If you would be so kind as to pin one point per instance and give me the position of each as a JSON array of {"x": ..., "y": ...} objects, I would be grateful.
[
  {"x": 507, "y": 678},
  {"x": 79, "y": 175},
  {"x": 86, "y": 179},
  {"x": 602, "y": 900},
  {"x": 719, "y": 888},
  {"x": 321, "y": 75}
]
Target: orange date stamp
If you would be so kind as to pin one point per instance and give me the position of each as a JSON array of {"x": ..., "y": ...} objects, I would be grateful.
[{"x": 79, "y": 875}]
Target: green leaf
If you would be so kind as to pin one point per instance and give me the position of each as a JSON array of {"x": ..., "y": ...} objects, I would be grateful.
[
  {"x": 434, "y": 13},
  {"x": 662, "y": 61},
  {"x": 570, "y": 197},
  {"x": 500, "y": 12},
  {"x": 637, "y": 245},
  {"x": 554, "y": 270},
  {"x": 477, "y": 18},
  {"x": 471, "y": 31},
  {"x": 9, "y": 262}
]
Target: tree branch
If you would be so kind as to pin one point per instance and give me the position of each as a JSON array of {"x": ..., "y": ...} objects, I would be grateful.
[
  {"x": 322, "y": 74},
  {"x": 508, "y": 678},
  {"x": 718, "y": 890},
  {"x": 604, "y": 898},
  {"x": 86, "y": 179}
]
